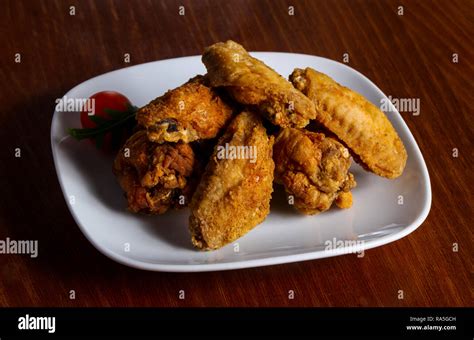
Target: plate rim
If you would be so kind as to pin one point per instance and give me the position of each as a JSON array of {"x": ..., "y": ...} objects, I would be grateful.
[{"x": 273, "y": 260}]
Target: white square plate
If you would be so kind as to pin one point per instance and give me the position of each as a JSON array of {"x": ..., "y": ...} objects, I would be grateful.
[{"x": 163, "y": 243}]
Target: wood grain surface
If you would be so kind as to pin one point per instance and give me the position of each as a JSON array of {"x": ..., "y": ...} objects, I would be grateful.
[{"x": 407, "y": 56}]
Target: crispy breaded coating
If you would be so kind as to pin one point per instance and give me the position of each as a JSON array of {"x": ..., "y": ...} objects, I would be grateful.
[
  {"x": 154, "y": 176},
  {"x": 190, "y": 112},
  {"x": 314, "y": 169},
  {"x": 355, "y": 121},
  {"x": 249, "y": 81},
  {"x": 344, "y": 200},
  {"x": 234, "y": 193}
]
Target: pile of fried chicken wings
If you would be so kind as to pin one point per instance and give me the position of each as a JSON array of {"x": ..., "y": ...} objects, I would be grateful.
[{"x": 219, "y": 142}]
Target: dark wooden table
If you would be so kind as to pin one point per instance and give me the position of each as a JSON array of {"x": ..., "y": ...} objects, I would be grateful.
[{"x": 407, "y": 56}]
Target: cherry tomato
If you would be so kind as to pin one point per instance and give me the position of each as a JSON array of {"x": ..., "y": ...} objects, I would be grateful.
[{"x": 103, "y": 103}]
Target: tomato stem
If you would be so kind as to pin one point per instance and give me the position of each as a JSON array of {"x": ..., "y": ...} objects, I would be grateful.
[{"x": 119, "y": 119}]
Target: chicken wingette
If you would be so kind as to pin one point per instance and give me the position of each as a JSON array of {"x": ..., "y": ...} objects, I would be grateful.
[
  {"x": 359, "y": 124},
  {"x": 234, "y": 193},
  {"x": 249, "y": 81}
]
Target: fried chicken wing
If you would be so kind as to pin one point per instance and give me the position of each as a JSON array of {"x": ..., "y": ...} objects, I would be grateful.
[
  {"x": 190, "y": 112},
  {"x": 355, "y": 121},
  {"x": 249, "y": 81},
  {"x": 314, "y": 169},
  {"x": 235, "y": 190},
  {"x": 155, "y": 177}
]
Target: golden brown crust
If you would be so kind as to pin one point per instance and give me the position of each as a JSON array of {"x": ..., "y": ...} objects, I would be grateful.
[
  {"x": 234, "y": 194},
  {"x": 155, "y": 177},
  {"x": 355, "y": 121},
  {"x": 190, "y": 112},
  {"x": 344, "y": 200},
  {"x": 249, "y": 81},
  {"x": 312, "y": 168}
]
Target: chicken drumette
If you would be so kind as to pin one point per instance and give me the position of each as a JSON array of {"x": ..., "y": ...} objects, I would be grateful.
[
  {"x": 156, "y": 177},
  {"x": 314, "y": 169}
]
